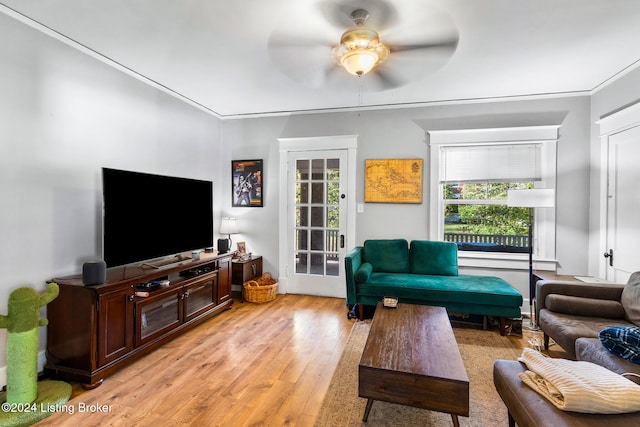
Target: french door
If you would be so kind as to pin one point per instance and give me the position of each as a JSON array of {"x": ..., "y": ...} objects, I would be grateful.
[{"x": 316, "y": 222}]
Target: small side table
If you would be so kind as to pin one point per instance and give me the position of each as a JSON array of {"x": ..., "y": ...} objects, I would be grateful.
[
  {"x": 550, "y": 275},
  {"x": 244, "y": 270}
]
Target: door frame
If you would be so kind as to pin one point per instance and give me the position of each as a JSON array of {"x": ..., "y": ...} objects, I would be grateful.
[
  {"x": 610, "y": 125},
  {"x": 318, "y": 143}
]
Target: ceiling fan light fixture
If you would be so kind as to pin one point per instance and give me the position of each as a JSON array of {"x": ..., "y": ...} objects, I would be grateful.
[
  {"x": 359, "y": 62},
  {"x": 360, "y": 50}
]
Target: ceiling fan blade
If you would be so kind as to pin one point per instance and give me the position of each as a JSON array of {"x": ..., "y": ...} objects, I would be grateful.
[
  {"x": 302, "y": 62},
  {"x": 431, "y": 29},
  {"x": 336, "y": 77},
  {"x": 450, "y": 44},
  {"x": 388, "y": 80},
  {"x": 382, "y": 14},
  {"x": 279, "y": 39},
  {"x": 415, "y": 60}
]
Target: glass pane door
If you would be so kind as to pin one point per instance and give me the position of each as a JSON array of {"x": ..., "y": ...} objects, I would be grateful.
[{"x": 317, "y": 216}]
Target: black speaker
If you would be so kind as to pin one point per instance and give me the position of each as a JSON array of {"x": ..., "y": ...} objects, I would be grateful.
[
  {"x": 94, "y": 272},
  {"x": 223, "y": 246}
]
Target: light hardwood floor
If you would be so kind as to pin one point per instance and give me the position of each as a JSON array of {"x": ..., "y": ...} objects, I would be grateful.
[{"x": 254, "y": 365}]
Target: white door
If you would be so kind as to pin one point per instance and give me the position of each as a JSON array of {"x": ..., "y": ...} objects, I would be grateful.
[
  {"x": 623, "y": 205},
  {"x": 316, "y": 223}
]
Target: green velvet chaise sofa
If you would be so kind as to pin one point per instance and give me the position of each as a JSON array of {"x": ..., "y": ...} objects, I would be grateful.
[{"x": 425, "y": 272}]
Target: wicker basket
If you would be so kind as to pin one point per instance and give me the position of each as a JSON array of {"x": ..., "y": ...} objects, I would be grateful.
[{"x": 263, "y": 289}]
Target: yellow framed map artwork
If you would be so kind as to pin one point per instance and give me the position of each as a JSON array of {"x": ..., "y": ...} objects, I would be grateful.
[{"x": 393, "y": 181}]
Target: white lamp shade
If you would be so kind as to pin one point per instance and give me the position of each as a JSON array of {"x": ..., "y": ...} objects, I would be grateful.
[
  {"x": 531, "y": 198},
  {"x": 229, "y": 226},
  {"x": 359, "y": 62}
]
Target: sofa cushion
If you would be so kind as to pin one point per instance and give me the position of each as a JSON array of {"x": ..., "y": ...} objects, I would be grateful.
[
  {"x": 631, "y": 299},
  {"x": 363, "y": 272},
  {"x": 623, "y": 341},
  {"x": 436, "y": 258},
  {"x": 592, "y": 350},
  {"x": 579, "y": 306},
  {"x": 463, "y": 289},
  {"x": 565, "y": 329},
  {"x": 389, "y": 256}
]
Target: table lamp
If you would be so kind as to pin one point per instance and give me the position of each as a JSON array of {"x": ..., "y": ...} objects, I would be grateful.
[{"x": 228, "y": 226}]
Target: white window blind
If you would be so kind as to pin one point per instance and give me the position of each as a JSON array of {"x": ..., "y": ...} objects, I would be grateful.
[{"x": 491, "y": 163}]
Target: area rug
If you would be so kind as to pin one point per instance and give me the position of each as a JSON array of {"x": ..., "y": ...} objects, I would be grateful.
[{"x": 479, "y": 349}]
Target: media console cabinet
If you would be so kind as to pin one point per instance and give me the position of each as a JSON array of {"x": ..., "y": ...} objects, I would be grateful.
[{"x": 95, "y": 330}]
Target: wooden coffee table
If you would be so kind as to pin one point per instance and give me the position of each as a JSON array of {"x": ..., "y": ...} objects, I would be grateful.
[{"x": 411, "y": 358}]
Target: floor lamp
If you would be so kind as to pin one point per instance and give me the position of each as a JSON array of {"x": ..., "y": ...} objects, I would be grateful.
[{"x": 531, "y": 198}]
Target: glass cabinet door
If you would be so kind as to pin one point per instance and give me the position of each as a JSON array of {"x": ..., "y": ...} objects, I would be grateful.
[
  {"x": 158, "y": 315},
  {"x": 199, "y": 297}
]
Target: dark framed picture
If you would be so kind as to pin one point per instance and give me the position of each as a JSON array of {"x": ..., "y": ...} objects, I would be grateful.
[{"x": 247, "y": 185}]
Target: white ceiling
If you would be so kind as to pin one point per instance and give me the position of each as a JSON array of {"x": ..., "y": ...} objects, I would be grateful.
[{"x": 218, "y": 54}]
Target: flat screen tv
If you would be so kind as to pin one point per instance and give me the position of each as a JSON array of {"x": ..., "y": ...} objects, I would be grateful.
[{"x": 148, "y": 216}]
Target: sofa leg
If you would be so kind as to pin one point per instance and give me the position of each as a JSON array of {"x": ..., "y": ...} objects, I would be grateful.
[
  {"x": 512, "y": 422},
  {"x": 361, "y": 311},
  {"x": 546, "y": 341},
  {"x": 503, "y": 325}
]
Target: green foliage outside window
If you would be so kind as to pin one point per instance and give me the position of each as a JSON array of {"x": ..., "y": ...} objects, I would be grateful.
[
  {"x": 492, "y": 219},
  {"x": 332, "y": 187}
]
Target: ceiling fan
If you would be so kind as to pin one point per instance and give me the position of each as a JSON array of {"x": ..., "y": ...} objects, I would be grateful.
[{"x": 385, "y": 48}]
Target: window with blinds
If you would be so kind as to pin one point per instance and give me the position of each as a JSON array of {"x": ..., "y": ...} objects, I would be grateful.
[
  {"x": 471, "y": 171},
  {"x": 491, "y": 163},
  {"x": 475, "y": 180}
]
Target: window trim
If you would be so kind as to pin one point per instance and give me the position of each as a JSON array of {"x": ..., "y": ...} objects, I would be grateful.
[{"x": 544, "y": 253}]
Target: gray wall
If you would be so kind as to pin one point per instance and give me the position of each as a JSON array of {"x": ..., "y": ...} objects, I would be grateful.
[
  {"x": 64, "y": 115},
  {"x": 402, "y": 133}
]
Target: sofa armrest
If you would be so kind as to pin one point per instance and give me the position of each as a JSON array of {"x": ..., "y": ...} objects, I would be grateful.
[
  {"x": 602, "y": 291},
  {"x": 352, "y": 262}
]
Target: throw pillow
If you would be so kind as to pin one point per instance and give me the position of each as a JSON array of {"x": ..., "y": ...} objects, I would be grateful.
[
  {"x": 363, "y": 272},
  {"x": 623, "y": 341},
  {"x": 435, "y": 258},
  {"x": 631, "y": 299},
  {"x": 388, "y": 256}
]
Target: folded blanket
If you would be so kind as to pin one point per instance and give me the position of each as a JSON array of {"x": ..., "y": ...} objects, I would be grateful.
[{"x": 579, "y": 386}]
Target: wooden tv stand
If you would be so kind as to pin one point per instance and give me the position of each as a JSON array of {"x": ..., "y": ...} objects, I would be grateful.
[{"x": 95, "y": 330}]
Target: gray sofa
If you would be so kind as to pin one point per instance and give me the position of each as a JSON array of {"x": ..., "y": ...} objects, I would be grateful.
[
  {"x": 574, "y": 313},
  {"x": 527, "y": 408}
]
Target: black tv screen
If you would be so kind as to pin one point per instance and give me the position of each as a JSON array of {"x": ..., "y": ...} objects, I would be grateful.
[{"x": 148, "y": 216}]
